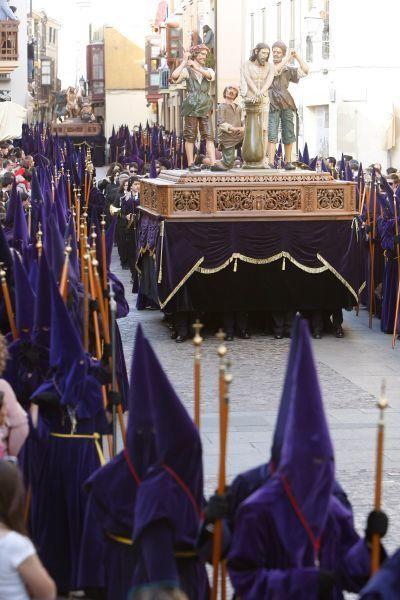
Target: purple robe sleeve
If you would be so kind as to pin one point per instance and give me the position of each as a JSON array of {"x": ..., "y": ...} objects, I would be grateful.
[
  {"x": 157, "y": 550},
  {"x": 253, "y": 548},
  {"x": 355, "y": 567}
]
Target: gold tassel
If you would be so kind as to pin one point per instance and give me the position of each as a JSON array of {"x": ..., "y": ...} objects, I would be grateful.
[
  {"x": 235, "y": 266},
  {"x": 284, "y": 264}
]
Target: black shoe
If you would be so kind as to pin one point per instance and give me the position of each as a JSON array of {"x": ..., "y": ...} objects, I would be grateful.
[
  {"x": 243, "y": 335},
  {"x": 339, "y": 332},
  {"x": 317, "y": 335},
  {"x": 229, "y": 337},
  {"x": 180, "y": 339},
  {"x": 289, "y": 167},
  {"x": 278, "y": 336},
  {"x": 194, "y": 168},
  {"x": 173, "y": 335}
]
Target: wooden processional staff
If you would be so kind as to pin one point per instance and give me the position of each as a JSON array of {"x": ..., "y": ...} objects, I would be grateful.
[
  {"x": 376, "y": 541},
  {"x": 225, "y": 379}
]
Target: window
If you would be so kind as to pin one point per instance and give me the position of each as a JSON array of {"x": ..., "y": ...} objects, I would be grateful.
[
  {"x": 54, "y": 35},
  {"x": 46, "y": 72},
  {"x": 98, "y": 66},
  {"x": 252, "y": 30},
  {"x": 50, "y": 35},
  {"x": 264, "y": 24},
  {"x": 309, "y": 49},
  {"x": 155, "y": 51},
  {"x": 278, "y": 20},
  {"x": 325, "y": 31},
  {"x": 292, "y": 41}
]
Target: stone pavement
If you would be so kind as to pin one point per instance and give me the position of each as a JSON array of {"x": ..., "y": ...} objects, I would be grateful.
[{"x": 350, "y": 370}]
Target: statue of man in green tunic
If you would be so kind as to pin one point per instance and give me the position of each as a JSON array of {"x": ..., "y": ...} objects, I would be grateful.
[{"x": 197, "y": 105}]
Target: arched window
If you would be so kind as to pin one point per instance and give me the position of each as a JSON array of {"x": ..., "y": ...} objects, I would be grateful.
[{"x": 309, "y": 49}]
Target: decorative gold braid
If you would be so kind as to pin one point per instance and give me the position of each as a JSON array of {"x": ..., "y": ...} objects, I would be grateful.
[
  {"x": 180, "y": 284},
  {"x": 162, "y": 251},
  {"x": 339, "y": 276}
]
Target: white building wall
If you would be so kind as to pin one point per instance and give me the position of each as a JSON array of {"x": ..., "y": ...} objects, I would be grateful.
[
  {"x": 347, "y": 102},
  {"x": 125, "y": 107}
]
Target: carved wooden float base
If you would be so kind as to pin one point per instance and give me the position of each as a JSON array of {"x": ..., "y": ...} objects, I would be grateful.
[{"x": 265, "y": 194}]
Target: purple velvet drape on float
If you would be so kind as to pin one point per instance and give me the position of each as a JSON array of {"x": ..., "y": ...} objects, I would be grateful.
[{"x": 315, "y": 248}]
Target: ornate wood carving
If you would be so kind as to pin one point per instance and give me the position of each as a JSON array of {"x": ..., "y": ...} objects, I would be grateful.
[
  {"x": 146, "y": 195},
  {"x": 163, "y": 200},
  {"x": 330, "y": 198},
  {"x": 209, "y": 197},
  {"x": 182, "y": 177},
  {"x": 187, "y": 200},
  {"x": 241, "y": 200}
]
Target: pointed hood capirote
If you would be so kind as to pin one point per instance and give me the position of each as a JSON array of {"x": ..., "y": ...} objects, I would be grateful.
[
  {"x": 306, "y": 468},
  {"x": 306, "y": 155},
  {"x": 43, "y": 306},
  {"x": 140, "y": 438},
  {"x": 24, "y": 298},
  {"x": 177, "y": 438},
  {"x": 12, "y": 205},
  {"x": 286, "y": 397}
]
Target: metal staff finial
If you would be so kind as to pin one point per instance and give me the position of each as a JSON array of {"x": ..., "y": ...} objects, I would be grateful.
[
  {"x": 197, "y": 341},
  {"x": 382, "y": 404},
  {"x": 223, "y": 433}
]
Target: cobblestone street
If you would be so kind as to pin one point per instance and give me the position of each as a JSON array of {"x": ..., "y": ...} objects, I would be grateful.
[{"x": 350, "y": 372}]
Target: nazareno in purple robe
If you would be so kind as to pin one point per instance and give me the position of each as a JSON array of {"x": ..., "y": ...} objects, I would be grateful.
[
  {"x": 71, "y": 395},
  {"x": 169, "y": 500},
  {"x": 107, "y": 560},
  {"x": 293, "y": 526}
]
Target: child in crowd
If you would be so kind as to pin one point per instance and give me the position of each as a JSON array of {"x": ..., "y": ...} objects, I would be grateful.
[{"x": 22, "y": 575}]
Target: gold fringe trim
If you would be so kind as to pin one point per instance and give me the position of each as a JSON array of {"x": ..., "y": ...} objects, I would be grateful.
[
  {"x": 180, "y": 284},
  {"x": 261, "y": 261},
  {"x": 339, "y": 276}
]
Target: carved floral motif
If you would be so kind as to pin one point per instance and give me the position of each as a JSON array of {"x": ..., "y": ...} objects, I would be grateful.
[
  {"x": 330, "y": 199},
  {"x": 186, "y": 200},
  {"x": 240, "y": 200}
]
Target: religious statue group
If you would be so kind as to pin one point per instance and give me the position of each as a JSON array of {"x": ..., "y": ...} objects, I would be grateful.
[{"x": 266, "y": 98}]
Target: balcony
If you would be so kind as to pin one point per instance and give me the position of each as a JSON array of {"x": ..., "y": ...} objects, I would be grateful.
[{"x": 8, "y": 46}]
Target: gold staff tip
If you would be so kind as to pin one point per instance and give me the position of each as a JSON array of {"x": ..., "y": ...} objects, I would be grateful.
[{"x": 383, "y": 401}]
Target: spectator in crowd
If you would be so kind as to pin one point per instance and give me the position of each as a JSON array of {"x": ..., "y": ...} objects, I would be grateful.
[
  {"x": 15, "y": 427},
  {"x": 22, "y": 575}
]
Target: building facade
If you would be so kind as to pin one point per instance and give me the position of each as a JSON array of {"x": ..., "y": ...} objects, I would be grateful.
[
  {"x": 348, "y": 103},
  {"x": 42, "y": 56},
  {"x": 116, "y": 79}
]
